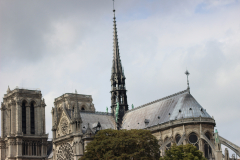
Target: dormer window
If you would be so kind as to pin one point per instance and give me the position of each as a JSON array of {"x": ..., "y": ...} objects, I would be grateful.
[
  {"x": 97, "y": 127},
  {"x": 146, "y": 121}
]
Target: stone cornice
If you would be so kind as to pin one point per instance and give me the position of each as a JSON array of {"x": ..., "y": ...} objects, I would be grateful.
[
  {"x": 63, "y": 138},
  {"x": 174, "y": 123},
  {"x": 21, "y": 92}
]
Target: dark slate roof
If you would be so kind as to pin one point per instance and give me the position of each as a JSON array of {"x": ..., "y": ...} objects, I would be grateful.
[
  {"x": 106, "y": 120},
  {"x": 177, "y": 106}
]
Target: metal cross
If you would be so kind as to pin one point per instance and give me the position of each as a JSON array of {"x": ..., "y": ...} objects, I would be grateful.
[{"x": 113, "y": 5}]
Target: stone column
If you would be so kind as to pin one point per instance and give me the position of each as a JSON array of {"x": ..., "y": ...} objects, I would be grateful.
[
  {"x": 28, "y": 127},
  {"x": 19, "y": 147},
  {"x": 42, "y": 148},
  {"x": 2, "y": 121},
  {"x": 40, "y": 119},
  {"x": 9, "y": 148},
  {"x": 81, "y": 148},
  {"x": 18, "y": 117},
  {"x": 201, "y": 145},
  {"x": 13, "y": 114},
  {"x": 44, "y": 123},
  {"x": 226, "y": 154}
]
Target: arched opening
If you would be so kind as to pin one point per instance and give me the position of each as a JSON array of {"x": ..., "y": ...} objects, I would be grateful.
[
  {"x": 24, "y": 117},
  {"x": 83, "y": 108},
  {"x": 168, "y": 145},
  {"x": 32, "y": 118},
  {"x": 177, "y": 138},
  {"x": 207, "y": 148},
  {"x": 193, "y": 139}
]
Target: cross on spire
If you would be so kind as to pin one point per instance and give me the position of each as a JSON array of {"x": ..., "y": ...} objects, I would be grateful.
[{"x": 113, "y": 6}]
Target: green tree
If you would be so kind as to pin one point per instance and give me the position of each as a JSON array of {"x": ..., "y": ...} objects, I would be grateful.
[
  {"x": 183, "y": 152},
  {"x": 122, "y": 145}
]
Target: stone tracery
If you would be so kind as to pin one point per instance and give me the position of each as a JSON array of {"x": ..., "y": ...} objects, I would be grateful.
[
  {"x": 64, "y": 126},
  {"x": 65, "y": 151}
]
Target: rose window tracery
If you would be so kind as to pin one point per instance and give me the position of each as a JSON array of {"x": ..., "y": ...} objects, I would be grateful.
[
  {"x": 65, "y": 152},
  {"x": 193, "y": 139},
  {"x": 64, "y": 126}
]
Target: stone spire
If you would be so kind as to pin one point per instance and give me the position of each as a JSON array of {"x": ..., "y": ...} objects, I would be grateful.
[{"x": 118, "y": 89}]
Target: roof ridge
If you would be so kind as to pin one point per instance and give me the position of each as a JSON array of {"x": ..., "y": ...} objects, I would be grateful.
[
  {"x": 96, "y": 112},
  {"x": 172, "y": 95}
]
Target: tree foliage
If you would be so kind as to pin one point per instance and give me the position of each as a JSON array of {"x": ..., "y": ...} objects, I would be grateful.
[
  {"x": 122, "y": 145},
  {"x": 183, "y": 152}
]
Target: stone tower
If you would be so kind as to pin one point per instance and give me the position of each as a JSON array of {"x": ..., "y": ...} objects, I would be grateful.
[
  {"x": 23, "y": 130},
  {"x": 118, "y": 89},
  {"x": 68, "y": 137}
]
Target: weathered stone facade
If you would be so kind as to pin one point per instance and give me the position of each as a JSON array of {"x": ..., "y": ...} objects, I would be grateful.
[
  {"x": 23, "y": 130},
  {"x": 68, "y": 141}
]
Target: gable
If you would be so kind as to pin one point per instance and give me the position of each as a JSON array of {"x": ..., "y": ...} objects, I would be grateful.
[{"x": 63, "y": 127}]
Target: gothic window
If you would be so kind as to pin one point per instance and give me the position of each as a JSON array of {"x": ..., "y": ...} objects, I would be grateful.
[
  {"x": 24, "y": 117},
  {"x": 193, "y": 139},
  {"x": 64, "y": 152},
  {"x": 207, "y": 148},
  {"x": 168, "y": 145},
  {"x": 32, "y": 118},
  {"x": 178, "y": 137}
]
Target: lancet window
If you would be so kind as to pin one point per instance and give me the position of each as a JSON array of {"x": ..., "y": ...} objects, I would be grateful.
[
  {"x": 24, "y": 117},
  {"x": 207, "y": 148},
  {"x": 32, "y": 118}
]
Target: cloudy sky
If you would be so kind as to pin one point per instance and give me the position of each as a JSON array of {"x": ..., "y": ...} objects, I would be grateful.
[{"x": 59, "y": 46}]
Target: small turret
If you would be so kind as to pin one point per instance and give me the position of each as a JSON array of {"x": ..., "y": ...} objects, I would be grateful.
[
  {"x": 188, "y": 88},
  {"x": 8, "y": 90}
]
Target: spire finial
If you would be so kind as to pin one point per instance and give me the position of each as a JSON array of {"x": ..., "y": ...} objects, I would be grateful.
[{"x": 187, "y": 73}]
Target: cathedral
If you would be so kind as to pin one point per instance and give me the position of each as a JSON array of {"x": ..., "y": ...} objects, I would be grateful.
[{"x": 177, "y": 118}]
